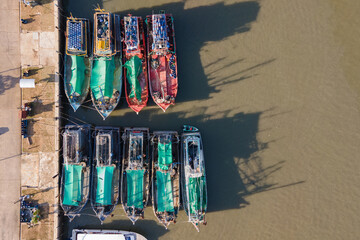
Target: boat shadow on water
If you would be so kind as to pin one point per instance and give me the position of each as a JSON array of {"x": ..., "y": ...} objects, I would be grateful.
[
  {"x": 117, "y": 220},
  {"x": 194, "y": 28},
  {"x": 235, "y": 168},
  {"x": 233, "y": 154}
]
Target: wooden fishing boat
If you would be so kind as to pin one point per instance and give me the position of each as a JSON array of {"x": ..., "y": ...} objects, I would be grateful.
[
  {"x": 135, "y": 169},
  {"x": 75, "y": 176},
  {"x": 165, "y": 176},
  {"x": 106, "y": 76},
  {"x": 188, "y": 128},
  {"x": 162, "y": 60},
  {"x": 106, "y": 171},
  {"x": 194, "y": 189},
  {"x": 134, "y": 60},
  {"x": 77, "y": 63}
]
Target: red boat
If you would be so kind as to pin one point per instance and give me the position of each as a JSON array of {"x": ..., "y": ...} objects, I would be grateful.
[
  {"x": 134, "y": 59},
  {"x": 162, "y": 59}
]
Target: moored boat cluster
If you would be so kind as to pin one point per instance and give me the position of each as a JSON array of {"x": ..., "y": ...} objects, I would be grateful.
[
  {"x": 133, "y": 166},
  {"x": 139, "y": 54}
]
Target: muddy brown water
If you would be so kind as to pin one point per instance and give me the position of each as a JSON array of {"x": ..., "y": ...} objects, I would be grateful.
[{"x": 263, "y": 81}]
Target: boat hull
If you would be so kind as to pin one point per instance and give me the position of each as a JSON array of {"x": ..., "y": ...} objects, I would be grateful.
[
  {"x": 135, "y": 175},
  {"x": 75, "y": 176},
  {"x": 77, "y": 64},
  {"x": 135, "y": 102},
  {"x": 77, "y": 95},
  {"x": 105, "y": 171},
  {"x": 81, "y": 234},
  {"x": 193, "y": 178},
  {"x": 165, "y": 178},
  {"x": 162, "y": 64},
  {"x": 106, "y": 84}
]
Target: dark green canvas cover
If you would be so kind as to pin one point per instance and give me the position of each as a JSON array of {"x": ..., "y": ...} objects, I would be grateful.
[
  {"x": 197, "y": 194},
  {"x": 164, "y": 155},
  {"x": 105, "y": 77},
  {"x": 165, "y": 201},
  {"x": 78, "y": 68},
  {"x": 135, "y": 188},
  {"x": 104, "y": 185},
  {"x": 134, "y": 68},
  {"x": 72, "y": 184}
]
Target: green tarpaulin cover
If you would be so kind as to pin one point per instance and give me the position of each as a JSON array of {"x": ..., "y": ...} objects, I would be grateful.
[
  {"x": 105, "y": 77},
  {"x": 134, "y": 68},
  {"x": 72, "y": 184},
  {"x": 165, "y": 201},
  {"x": 77, "y": 74},
  {"x": 164, "y": 155},
  {"x": 104, "y": 185},
  {"x": 135, "y": 188},
  {"x": 197, "y": 194}
]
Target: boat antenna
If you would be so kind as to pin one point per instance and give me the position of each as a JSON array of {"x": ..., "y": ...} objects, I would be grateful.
[
  {"x": 98, "y": 8},
  {"x": 71, "y": 16}
]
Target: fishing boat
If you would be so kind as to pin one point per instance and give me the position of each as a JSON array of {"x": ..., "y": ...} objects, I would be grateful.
[
  {"x": 165, "y": 176},
  {"x": 134, "y": 60},
  {"x": 188, "y": 128},
  {"x": 105, "y": 234},
  {"x": 194, "y": 190},
  {"x": 77, "y": 63},
  {"x": 75, "y": 177},
  {"x": 135, "y": 169},
  {"x": 106, "y": 76},
  {"x": 162, "y": 60},
  {"x": 106, "y": 171}
]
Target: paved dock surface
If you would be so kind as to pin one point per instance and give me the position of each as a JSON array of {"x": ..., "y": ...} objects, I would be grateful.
[
  {"x": 39, "y": 162},
  {"x": 10, "y": 139}
]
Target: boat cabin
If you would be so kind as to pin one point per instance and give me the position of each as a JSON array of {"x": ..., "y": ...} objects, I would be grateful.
[
  {"x": 106, "y": 34},
  {"x": 104, "y": 148},
  {"x": 94, "y": 234},
  {"x": 159, "y": 32},
  {"x": 76, "y": 36},
  {"x": 131, "y": 33},
  {"x": 72, "y": 146},
  {"x": 136, "y": 154},
  {"x": 194, "y": 156}
]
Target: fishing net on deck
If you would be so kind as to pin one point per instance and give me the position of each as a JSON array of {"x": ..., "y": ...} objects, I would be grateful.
[
  {"x": 104, "y": 185},
  {"x": 72, "y": 184},
  {"x": 78, "y": 69},
  {"x": 165, "y": 201},
  {"x": 197, "y": 194},
  {"x": 164, "y": 155},
  {"x": 135, "y": 188},
  {"x": 134, "y": 68},
  {"x": 102, "y": 78}
]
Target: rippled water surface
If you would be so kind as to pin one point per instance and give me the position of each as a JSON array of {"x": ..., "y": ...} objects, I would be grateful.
[{"x": 262, "y": 82}]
